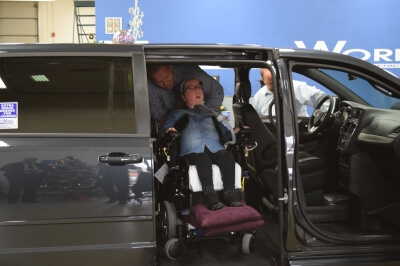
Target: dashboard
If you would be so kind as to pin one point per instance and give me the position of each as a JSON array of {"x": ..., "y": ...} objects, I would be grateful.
[{"x": 365, "y": 125}]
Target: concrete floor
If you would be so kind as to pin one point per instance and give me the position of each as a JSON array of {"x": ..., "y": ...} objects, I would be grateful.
[{"x": 222, "y": 251}]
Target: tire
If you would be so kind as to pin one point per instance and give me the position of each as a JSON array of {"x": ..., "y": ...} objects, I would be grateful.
[
  {"x": 174, "y": 249},
  {"x": 168, "y": 221},
  {"x": 248, "y": 243}
]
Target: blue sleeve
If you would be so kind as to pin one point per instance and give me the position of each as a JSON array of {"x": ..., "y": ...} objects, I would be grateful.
[
  {"x": 170, "y": 122},
  {"x": 226, "y": 134}
]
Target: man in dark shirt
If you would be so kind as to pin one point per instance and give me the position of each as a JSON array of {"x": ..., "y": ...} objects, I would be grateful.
[{"x": 164, "y": 81}]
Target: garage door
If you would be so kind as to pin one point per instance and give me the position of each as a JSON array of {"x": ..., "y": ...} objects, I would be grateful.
[{"x": 18, "y": 22}]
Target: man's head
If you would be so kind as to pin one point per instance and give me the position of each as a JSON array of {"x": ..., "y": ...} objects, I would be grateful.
[
  {"x": 192, "y": 92},
  {"x": 162, "y": 75},
  {"x": 267, "y": 78}
]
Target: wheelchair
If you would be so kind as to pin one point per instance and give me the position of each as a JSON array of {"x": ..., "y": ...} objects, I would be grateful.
[{"x": 180, "y": 193}]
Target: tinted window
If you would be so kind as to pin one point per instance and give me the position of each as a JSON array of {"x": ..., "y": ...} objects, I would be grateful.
[
  {"x": 67, "y": 95},
  {"x": 373, "y": 94},
  {"x": 311, "y": 82}
]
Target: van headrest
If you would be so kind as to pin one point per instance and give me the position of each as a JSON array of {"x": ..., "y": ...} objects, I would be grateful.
[{"x": 243, "y": 90}]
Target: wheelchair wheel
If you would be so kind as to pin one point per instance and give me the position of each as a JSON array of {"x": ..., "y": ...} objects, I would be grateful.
[
  {"x": 174, "y": 249},
  {"x": 248, "y": 243},
  {"x": 168, "y": 220}
]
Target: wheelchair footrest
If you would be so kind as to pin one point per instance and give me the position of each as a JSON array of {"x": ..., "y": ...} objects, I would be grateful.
[{"x": 225, "y": 220}]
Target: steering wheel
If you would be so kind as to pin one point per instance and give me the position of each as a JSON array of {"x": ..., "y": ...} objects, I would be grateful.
[
  {"x": 320, "y": 117},
  {"x": 271, "y": 119}
]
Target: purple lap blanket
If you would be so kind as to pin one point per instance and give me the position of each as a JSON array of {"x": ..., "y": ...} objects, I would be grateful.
[{"x": 225, "y": 220}]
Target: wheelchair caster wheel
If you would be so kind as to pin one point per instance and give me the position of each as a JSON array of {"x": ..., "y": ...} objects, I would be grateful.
[
  {"x": 248, "y": 243},
  {"x": 174, "y": 249}
]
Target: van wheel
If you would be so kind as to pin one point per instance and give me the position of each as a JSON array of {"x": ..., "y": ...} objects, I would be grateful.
[
  {"x": 174, "y": 249},
  {"x": 248, "y": 243},
  {"x": 168, "y": 220}
]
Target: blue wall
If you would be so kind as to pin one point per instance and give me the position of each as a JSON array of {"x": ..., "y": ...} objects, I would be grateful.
[{"x": 361, "y": 28}]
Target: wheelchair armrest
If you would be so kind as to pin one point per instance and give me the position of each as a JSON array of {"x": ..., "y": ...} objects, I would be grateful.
[{"x": 169, "y": 137}]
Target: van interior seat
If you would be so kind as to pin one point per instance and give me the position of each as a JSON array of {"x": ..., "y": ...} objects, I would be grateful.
[{"x": 263, "y": 159}]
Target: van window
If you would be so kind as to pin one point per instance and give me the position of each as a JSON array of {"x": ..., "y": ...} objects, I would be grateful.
[{"x": 67, "y": 95}]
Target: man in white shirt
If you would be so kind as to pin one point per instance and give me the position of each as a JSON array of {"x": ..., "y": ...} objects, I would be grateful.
[{"x": 305, "y": 95}]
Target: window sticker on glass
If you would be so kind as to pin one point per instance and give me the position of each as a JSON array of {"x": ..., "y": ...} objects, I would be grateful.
[{"x": 8, "y": 115}]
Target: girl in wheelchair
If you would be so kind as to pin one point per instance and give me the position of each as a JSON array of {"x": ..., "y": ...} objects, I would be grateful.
[{"x": 201, "y": 138}]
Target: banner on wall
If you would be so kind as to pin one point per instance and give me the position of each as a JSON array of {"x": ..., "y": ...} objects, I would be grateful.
[
  {"x": 381, "y": 57},
  {"x": 368, "y": 34}
]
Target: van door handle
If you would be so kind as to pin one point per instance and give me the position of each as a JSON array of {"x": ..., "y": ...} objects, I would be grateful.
[{"x": 120, "y": 158}]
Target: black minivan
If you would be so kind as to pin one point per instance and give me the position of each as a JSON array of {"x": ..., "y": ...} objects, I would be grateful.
[{"x": 78, "y": 154}]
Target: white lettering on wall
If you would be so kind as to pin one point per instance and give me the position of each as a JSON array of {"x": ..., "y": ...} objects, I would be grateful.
[
  {"x": 365, "y": 53},
  {"x": 321, "y": 45},
  {"x": 379, "y": 54},
  {"x": 382, "y": 54}
]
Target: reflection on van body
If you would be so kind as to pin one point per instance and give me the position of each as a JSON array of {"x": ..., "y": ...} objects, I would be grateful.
[{"x": 56, "y": 198}]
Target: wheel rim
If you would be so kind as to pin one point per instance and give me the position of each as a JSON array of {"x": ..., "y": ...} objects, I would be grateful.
[
  {"x": 174, "y": 249},
  {"x": 248, "y": 244}
]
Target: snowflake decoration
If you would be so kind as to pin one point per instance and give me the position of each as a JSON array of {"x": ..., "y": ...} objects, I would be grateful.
[{"x": 136, "y": 21}]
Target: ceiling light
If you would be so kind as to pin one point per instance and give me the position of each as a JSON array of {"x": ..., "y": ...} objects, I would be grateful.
[
  {"x": 40, "y": 78},
  {"x": 3, "y": 144},
  {"x": 2, "y": 85}
]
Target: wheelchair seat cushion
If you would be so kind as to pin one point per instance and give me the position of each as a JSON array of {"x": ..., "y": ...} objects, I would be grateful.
[
  {"x": 194, "y": 181},
  {"x": 225, "y": 220}
]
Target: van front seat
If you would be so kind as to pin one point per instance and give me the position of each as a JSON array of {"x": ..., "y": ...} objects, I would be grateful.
[{"x": 262, "y": 161}]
